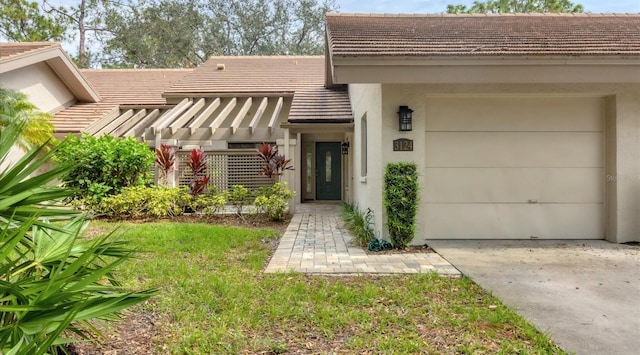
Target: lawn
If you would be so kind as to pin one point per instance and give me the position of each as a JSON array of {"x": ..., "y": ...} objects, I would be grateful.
[{"x": 214, "y": 298}]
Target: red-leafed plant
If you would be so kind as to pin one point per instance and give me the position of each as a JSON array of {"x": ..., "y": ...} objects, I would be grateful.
[
  {"x": 199, "y": 185},
  {"x": 274, "y": 163},
  {"x": 198, "y": 165},
  {"x": 165, "y": 160}
]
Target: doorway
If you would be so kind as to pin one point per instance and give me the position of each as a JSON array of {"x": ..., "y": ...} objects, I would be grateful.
[{"x": 328, "y": 171}]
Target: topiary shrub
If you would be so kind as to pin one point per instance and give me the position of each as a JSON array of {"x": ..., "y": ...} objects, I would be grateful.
[
  {"x": 401, "y": 202},
  {"x": 104, "y": 166}
]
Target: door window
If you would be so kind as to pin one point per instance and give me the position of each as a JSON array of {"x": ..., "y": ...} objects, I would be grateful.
[{"x": 327, "y": 165}]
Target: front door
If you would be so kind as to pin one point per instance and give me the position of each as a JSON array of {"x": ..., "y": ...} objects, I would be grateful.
[{"x": 328, "y": 172}]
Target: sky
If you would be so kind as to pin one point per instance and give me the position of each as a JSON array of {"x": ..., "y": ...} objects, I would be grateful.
[{"x": 439, "y": 6}]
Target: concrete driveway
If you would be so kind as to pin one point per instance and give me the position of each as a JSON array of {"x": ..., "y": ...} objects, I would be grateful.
[{"x": 584, "y": 294}]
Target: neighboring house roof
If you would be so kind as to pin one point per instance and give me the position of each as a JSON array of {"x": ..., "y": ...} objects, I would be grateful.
[
  {"x": 17, "y": 49},
  {"x": 251, "y": 75},
  {"x": 19, "y": 55},
  {"x": 371, "y": 35},
  {"x": 133, "y": 86}
]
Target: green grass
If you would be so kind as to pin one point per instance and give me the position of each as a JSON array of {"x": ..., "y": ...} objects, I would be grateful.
[{"x": 214, "y": 298}]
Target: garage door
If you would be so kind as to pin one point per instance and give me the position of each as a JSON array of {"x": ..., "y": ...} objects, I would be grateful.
[{"x": 514, "y": 168}]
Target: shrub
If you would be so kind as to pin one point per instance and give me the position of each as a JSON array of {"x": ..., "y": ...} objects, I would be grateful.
[
  {"x": 104, "y": 166},
  {"x": 401, "y": 202},
  {"x": 238, "y": 195},
  {"x": 275, "y": 202},
  {"x": 209, "y": 204},
  {"x": 358, "y": 222},
  {"x": 50, "y": 280},
  {"x": 142, "y": 201}
]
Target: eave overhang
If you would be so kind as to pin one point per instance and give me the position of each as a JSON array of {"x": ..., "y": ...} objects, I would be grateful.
[
  {"x": 485, "y": 69},
  {"x": 61, "y": 64}
]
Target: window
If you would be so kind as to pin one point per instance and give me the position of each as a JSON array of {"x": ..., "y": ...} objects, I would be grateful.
[
  {"x": 327, "y": 167},
  {"x": 309, "y": 153},
  {"x": 363, "y": 146}
]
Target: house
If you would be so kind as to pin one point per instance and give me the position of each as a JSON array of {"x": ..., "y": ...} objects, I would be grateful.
[{"x": 522, "y": 126}]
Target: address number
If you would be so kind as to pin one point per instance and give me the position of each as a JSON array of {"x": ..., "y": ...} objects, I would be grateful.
[{"x": 403, "y": 145}]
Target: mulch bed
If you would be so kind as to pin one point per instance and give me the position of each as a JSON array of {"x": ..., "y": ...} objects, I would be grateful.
[
  {"x": 133, "y": 335},
  {"x": 411, "y": 249},
  {"x": 230, "y": 220}
]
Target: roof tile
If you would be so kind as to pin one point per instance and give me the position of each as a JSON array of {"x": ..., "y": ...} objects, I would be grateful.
[
  {"x": 321, "y": 105},
  {"x": 484, "y": 35},
  {"x": 133, "y": 86},
  {"x": 79, "y": 117},
  {"x": 11, "y": 50},
  {"x": 253, "y": 74}
]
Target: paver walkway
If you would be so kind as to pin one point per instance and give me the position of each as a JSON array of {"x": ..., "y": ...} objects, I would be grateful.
[{"x": 316, "y": 242}]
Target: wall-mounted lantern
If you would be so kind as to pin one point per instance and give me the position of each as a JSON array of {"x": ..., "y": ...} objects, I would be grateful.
[
  {"x": 345, "y": 148},
  {"x": 404, "y": 118}
]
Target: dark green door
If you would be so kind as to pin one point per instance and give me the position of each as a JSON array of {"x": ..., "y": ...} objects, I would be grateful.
[{"x": 329, "y": 176}]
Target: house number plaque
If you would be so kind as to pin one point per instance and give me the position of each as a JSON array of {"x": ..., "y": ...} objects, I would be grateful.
[{"x": 403, "y": 145}]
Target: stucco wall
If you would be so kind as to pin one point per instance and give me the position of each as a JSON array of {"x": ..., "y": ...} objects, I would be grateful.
[
  {"x": 42, "y": 86},
  {"x": 380, "y": 104},
  {"x": 623, "y": 166},
  {"x": 366, "y": 102}
]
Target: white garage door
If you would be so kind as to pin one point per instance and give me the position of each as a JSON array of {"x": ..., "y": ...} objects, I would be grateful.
[{"x": 514, "y": 168}]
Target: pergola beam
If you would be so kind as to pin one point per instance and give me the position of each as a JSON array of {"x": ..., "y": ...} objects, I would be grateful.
[
  {"x": 223, "y": 115},
  {"x": 185, "y": 117},
  {"x": 101, "y": 123},
  {"x": 141, "y": 125},
  {"x": 125, "y": 126},
  {"x": 276, "y": 113},
  {"x": 115, "y": 123},
  {"x": 204, "y": 115},
  {"x": 170, "y": 115},
  {"x": 241, "y": 114},
  {"x": 258, "y": 115}
]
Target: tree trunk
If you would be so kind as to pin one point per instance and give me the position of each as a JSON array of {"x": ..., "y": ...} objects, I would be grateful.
[{"x": 82, "y": 57}]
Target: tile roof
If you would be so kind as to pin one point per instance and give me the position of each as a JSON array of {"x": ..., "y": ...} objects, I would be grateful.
[
  {"x": 133, "y": 86},
  {"x": 77, "y": 118},
  {"x": 321, "y": 105},
  {"x": 371, "y": 35},
  {"x": 11, "y": 50},
  {"x": 252, "y": 75}
]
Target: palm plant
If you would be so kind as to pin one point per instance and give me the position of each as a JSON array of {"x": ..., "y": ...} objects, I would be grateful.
[
  {"x": 51, "y": 281},
  {"x": 14, "y": 108},
  {"x": 23, "y": 194}
]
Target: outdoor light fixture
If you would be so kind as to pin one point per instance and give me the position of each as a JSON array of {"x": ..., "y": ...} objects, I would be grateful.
[
  {"x": 404, "y": 118},
  {"x": 345, "y": 148}
]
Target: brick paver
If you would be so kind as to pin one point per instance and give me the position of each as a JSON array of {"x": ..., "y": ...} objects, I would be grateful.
[{"x": 316, "y": 242}]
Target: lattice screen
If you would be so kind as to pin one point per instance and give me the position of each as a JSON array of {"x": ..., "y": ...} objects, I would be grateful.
[{"x": 225, "y": 169}]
